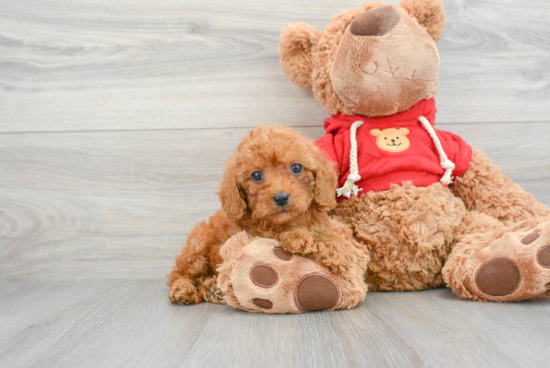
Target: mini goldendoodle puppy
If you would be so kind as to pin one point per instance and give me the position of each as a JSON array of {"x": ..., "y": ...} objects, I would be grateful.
[{"x": 279, "y": 186}]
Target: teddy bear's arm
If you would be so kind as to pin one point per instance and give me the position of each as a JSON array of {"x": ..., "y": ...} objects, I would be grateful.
[{"x": 484, "y": 188}]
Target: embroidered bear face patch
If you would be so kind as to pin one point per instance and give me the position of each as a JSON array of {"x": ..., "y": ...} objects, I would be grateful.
[{"x": 391, "y": 139}]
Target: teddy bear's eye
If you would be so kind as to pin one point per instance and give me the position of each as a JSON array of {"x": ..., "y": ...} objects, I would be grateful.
[
  {"x": 257, "y": 176},
  {"x": 385, "y": 138},
  {"x": 296, "y": 169},
  {"x": 397, "y": 138}
]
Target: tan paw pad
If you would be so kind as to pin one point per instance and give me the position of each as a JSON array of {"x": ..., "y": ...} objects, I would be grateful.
[
  {"x": 529, "y": 238},
  {"x": 498, "y": 277},
  {"x": 262, "y": 303},
  {"x": 316, "y": 292},
  {"x": 543, "y": 256},
  {"x": 282, "y": 254},
  {"x": 264, "y": 275}
]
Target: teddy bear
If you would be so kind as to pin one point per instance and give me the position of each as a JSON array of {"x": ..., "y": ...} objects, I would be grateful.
[{"x": 429, "y": 210}]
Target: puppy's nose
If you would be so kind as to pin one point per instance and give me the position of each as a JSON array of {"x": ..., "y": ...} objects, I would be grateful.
[
  {"x": 281, "y": 199},
  {"x": 376, "y": 21}
]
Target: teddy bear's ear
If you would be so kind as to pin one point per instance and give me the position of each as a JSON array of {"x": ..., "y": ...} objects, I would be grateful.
[
  {"x": 295, "y": 48},
  {"x": 404, "y": 131},
  {"x": 429, "y": 13}
]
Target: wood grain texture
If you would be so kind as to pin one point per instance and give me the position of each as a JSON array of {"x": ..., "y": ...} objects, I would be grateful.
[
  {"x": 115, "y": 120},
  {"x": 173, "y": 64},
  {"x": 94, "y": 323},
  {"x": 120, "y": 204}
]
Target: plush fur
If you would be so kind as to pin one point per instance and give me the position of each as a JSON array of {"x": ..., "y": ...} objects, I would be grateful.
[
  {"x": 419, "y": 238},
  {"x": 241, "y": 253},
  {"x": 302, "y": 227},
  {"x": 393, "y": 87},
  {"x": 483, "y": 236}
]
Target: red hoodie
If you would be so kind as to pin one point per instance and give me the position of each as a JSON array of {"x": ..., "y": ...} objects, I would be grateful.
[{"x": 393, "y": 149}]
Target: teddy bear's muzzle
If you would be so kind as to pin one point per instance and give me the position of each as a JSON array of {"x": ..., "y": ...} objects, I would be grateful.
[{"x": 375, "y": 22}]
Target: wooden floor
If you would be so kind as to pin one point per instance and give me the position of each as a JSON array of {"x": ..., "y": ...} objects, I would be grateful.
[
  {"x": 130, "y": 323},
  {"x": 115, "y": 120}
]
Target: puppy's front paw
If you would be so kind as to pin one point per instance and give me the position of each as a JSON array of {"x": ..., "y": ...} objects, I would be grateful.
[
  {"x": 262, "y": 277},
  {"x": 208, "y": 287},
  {"x": 183, "y": 292},
  {"x": 297, "y": 240}
]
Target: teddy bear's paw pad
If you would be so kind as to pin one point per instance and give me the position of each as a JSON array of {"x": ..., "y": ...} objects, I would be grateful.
[
  {"x": 529, "y": 238},
  {"x": 498, "y": 277},
  {"x": 266, "y": 278},
  {"x": 516, "y": 266},
  {"x": 282, "y": 254},
  {"x": 262, "y": 303},
  {"x": 543, "y": 257},
  {"x": 316, "y": 292}
]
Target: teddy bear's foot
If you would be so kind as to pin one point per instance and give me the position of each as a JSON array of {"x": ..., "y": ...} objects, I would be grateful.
[
  {"x": 514, "y": 267},
  {"x": 262, "y": 277}
]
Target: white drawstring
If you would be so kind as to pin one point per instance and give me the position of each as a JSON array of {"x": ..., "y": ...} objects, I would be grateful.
[
  {"x": 349, "y": 187},
  {"x": 447, "y": 164}
]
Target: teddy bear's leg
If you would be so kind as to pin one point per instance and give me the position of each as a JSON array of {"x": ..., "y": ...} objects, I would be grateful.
[
  {"x": 484, "y": 188},
  {"x": 257, "y": 275},
  {"x": 495, "y": 262}
]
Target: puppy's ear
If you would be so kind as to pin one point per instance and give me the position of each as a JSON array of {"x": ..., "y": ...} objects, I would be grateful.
[
  {"x": 429, "y": 13},
  {"x": 231, "y": 194},
  {"x": 295, "y": 49},
  {"x": 326, "y": 181}
]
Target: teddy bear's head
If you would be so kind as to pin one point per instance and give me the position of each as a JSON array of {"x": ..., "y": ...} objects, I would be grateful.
[{"x": 375, "y": 61}]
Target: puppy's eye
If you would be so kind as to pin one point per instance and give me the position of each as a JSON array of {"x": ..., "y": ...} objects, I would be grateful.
[
  {"x": 257, "y": 176},
  {"x": 296, "y": 169}
]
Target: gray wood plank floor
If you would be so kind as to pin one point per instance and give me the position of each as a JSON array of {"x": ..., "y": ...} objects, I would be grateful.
[
  {"x": 115, "y": 323},
  {"x": 115, "y": 120}
]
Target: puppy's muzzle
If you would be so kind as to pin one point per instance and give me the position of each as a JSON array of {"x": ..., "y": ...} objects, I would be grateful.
[{"x": 281, "y": 199}]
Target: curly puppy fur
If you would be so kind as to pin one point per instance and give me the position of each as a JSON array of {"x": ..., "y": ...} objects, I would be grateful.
[{"x": 302, "y": 227}]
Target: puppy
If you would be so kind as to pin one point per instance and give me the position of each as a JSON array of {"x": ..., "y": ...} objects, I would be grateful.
[{"x": 278, "y": 185}]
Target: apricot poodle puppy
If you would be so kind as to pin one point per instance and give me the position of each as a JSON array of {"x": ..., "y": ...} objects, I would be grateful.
[{"x": 277, "y": 186}]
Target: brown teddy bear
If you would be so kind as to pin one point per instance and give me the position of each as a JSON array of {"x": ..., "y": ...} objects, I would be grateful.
[{"x": 429, "y": 209}]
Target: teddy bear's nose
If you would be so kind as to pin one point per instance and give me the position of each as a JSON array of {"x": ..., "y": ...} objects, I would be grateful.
[{"x": 375, "y": 22}]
